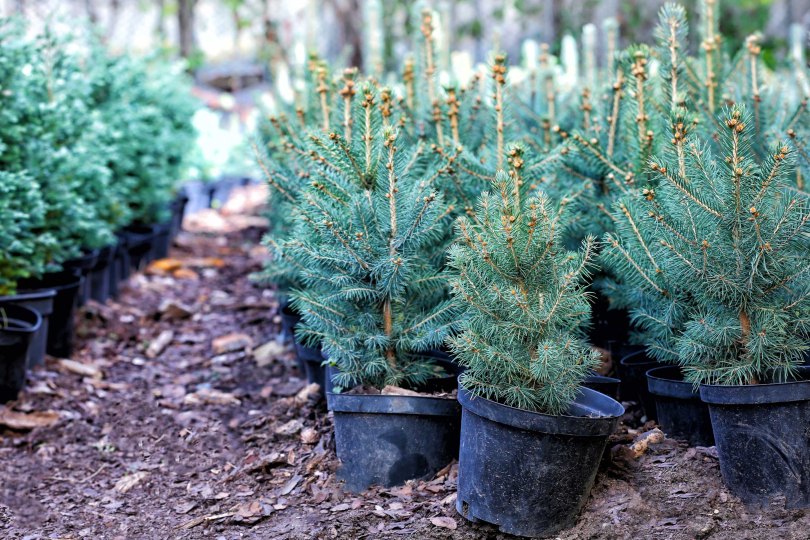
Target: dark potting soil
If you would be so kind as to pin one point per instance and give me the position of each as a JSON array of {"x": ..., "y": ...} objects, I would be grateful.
[{"x": 196, "y": 445}]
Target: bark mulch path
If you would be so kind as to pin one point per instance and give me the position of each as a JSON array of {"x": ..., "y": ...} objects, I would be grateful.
[{"x": 159, "y": 428}]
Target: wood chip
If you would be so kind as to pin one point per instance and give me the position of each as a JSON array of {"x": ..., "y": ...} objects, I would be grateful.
[
  {"x": 159, "y": 344},
  {"x": 130, "y": 481},
  {"x": 269, "y": 353},
  {"x": 79, "y": 368},
  {"x": 289, "y": 486},
  {"x": 27, "y": 421},
  {"x": 444, "y": 522},
  {"x": 643, "y": 442},
  {"x": 231, "y": 343}
]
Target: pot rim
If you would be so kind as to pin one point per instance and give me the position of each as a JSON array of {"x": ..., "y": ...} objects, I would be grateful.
[
  {"x": 36, "y": 316},
  {"x": 578, "y": 426},
  {"x": 660, "y": 382},
  {"x": 757, "y": 394},
  {"x": 629, "y": 360}
]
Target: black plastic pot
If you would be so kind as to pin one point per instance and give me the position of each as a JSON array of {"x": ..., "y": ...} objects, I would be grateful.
[
  {"x": 387, "y": 440},
  {"x": 312, "y": 359},
  {"x": 119, "y": 269},
  {"x": 99, "y": 278},
  {"x": 198, "y": 194},
  {"x": 222, "y": 191},
  {"x": 609, "y": 325},
  {"x": 178, "y": 208},
  {"x": 763, "y": 439},
  {"x": 140, "y": 239},
  {"x": 84, "y": 265},
  {"x": 61, "y": 323},
  {"x": 42, "y": 302},
  {"x": 604, "y": 385},
  {"x": 633, "y": 375},
  {"x": 162, "y": 241},
  {"x": 681, "y": 413},
  {"x": 530, "y": 473},
  {"x": 289, "y": 320},
  {"x": 18, "y": 325}
]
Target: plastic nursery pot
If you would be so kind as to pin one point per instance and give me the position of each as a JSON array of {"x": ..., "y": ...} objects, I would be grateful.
[
  {"x": 604, "y": 385},
  {"x": 762, "y": 439},
  {"x": 162, "y": 242},
  {"x": 42, "y": 302},
  {"x": 140, "y": 241},
  {"x": 609, "y": 325},
  {"x": 18, "y": 326},
  {"x": 530, "y": 473},
  {"x": 681, "y": 413},
  {"x": 289, "y": 320},
  {"x": 312, "y": 359},
  {"x": 84, "y": 264},
  {"x": 388, "y": 439},
  {"x": 60, "y": 323},
  {"x": 98, "y": 285},
  {"x": 119, "y": 269},
  {"x": 633, "y": 375},
  {"x": 178, "y": 207}
]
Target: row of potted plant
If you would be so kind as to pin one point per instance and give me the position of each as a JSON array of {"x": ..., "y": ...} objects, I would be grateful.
[
  {"x": 90, "y": 149},
  {"x": 691, "y": 176}
]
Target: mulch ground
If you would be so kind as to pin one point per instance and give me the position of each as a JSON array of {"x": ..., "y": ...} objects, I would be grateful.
[{"x": 182, "y": 416}]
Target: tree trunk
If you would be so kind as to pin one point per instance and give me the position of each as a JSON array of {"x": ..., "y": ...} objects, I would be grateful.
[{"x": 185, "y": 21}]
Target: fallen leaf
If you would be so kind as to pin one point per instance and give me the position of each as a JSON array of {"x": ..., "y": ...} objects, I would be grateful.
[
  {"x": 130, "y": 481},
  {"x": 445, "y": 522},
  {"x": 79, "y": 368},
  {"x": 159, "y": 344},
  {"x": 186, "y": 273},
  {"x": 26, "y": 421},
  {"x": 340, "y": 508},
  {"x": 164, "y": 265},
  {"x": 231, "y": 343}
]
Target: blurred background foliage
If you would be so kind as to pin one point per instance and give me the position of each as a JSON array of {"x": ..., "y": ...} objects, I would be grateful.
[{"x": 244, "y": 51}]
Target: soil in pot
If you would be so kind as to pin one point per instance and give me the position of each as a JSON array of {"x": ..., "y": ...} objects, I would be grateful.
[
  {"x": 98, "y": 285},
  {"x": 60, "y": 323},
  {"x": 84, "y": 264},
  {"x": 42, "y": 302},
  {"x": 681, "y": 413},
  {"x": 604, "y": 385},
  {"x": 633, "y": 375},
  {"x": 761, "y": 432},
  {"x": 18, "y": 325},
  {"x": 390, "y": 439},
  {"x": 529, "y": 473}
]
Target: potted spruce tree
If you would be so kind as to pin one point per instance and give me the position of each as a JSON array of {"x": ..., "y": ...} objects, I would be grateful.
[
  {"x": 528, "y": 426},
  {"x": 376, "y": 300},
  {"x": 661, "y": 302},
  {"x": 733, "y": 238}
]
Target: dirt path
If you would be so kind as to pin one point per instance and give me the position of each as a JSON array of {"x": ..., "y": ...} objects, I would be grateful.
[{"x": 196, "y": 443}]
